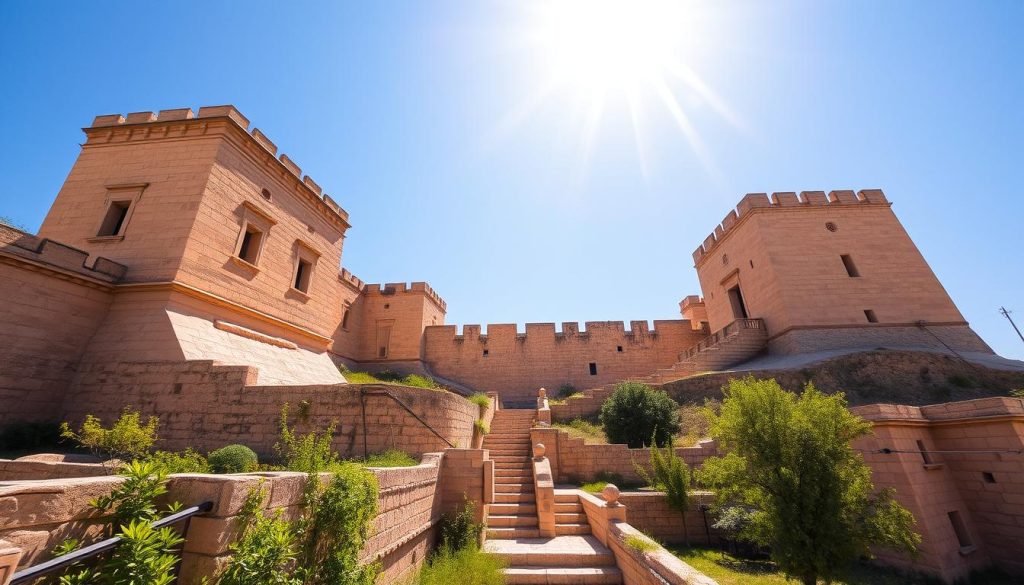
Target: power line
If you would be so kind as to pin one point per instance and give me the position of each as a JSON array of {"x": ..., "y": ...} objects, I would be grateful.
[{"x": 1010, "y": 319}]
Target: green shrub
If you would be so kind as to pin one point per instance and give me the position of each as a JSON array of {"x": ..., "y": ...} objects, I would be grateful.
[
  {"x": 135, "y": 497},
  {"x": 128, "y": 439},
  {"x": 187, "y": 461},
  {"x": 670, "y": 474},
  {"x": 468, "y": 565},
  {"x": 460, "y": 530},
  {"x": 145, "y": 555},
  {"x": 388, "y": 376},
  {"x": 390, "y": 458},
  {"x": 29, "y": 436},
  {"x": 233, "y": 459},
  {"x": 310, "y": 453},
  {"x": 635, "y": 412},
  {"x": 480, "y": 400},
  {"x": 266, "y": 550},
  {"x": 1017, "y": 393},
  {"x": 360, "y": 378},
  {"x": 419, "y": 381},
  {"x": 565, "y": 391},
  {"x": 481, "y": 427}
]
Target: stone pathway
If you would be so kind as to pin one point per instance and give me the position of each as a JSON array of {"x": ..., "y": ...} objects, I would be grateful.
[{"x": 573, "y": 555}]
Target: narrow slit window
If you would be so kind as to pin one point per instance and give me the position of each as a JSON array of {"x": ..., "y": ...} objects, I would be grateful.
[
  {"x": 252, "y": 239},
  {"x": 303, "y": 270},
  {"x": 344, "y": 319},
  {"x": 593, "y": 369},
  {"x": 487, "y": 352},
  {"x": 870, "y": 316},
  {"x": 925, "y": 455},
  {"x": 960, "y": 529},
  {"x": 988, "y": 476},
  {"x": 113, "y": 221},
  {"x": 851, "y": 268}
]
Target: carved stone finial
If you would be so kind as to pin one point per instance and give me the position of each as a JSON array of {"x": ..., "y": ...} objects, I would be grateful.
[
  {"x": 539, "y": 450},
  {"x": 611, "y": 494}
]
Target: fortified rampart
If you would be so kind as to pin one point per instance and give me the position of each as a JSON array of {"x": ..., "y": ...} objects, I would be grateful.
[{"x": 516, "y": 364}]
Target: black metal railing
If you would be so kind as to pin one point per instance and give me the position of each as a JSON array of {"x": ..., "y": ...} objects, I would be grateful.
[
  {"x": 64, "y": 561},
  {"x": 364, "y": 392}
]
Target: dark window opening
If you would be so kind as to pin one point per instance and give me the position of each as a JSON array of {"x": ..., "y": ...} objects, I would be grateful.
[
  {"x": 250, "y": 248},
  {"x": 387, "y": 305},
  {"x": 960, "y": 529},
  {"x": 618, "y": 348},
  {"x": 851, "y": 268},
  {"x": 265, "y": 194},
  {"x": 925, "y": 455},
  {"x": 487, "y": 352},
  {"x": 302, "y": 273},
  {"x": 739, "y": 308},
  {"x": 113, "y": 221},
  {"x": 593, "y": 369},
  {"x": 988, "y": 476},
  {"x": 344, "y": 320},
  {"x": 751, "y": 263},
  {"x": 871, "y": 316}
]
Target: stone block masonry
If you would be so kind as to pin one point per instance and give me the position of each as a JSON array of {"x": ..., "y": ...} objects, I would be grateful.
[{"x": 206, "y": 406}]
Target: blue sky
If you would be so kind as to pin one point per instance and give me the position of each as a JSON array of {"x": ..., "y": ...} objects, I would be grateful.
[{"x": 425, "y": 121}]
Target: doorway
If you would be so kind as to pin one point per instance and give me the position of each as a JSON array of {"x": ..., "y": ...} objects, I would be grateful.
[{"x": 739, "y": 308}]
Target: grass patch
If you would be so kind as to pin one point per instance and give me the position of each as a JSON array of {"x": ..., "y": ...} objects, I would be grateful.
[
  {"x": 603, "y": 478},
  {"x": 641, "y": 543},
  {"x": 693, "y": 423},
  {"x": 480, "y": 400},
  {"x": 481, "y": 426},
  {"x": 468, "y": 565},
  {"x": 389, "y": 377},
  {"x": 591, "y": 433},
  {"x": 389, "y": 458},
  {"x": 730, "y": 570}
]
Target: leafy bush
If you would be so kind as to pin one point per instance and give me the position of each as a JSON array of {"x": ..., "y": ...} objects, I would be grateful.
[
  {"x": 460, "y": 530},
  {"x": 390, "y": 458},
  {"x": 480, "y": 400},
  {"x": 310, "y": 453},
  {"x": 565, "y": 391},
  {"x": 187, "y": 461},
  {"x": 266, "y": 550},
  {"x": 468, "y": 565},
  {"x": 135, "y": 497},
  {"x": 128, "y": 439},
  {"x": 635, "y": 412},
  {"x": 233, "y": 459},
  {"x": 29, "y": 436},
  {"x": 145, "y": 555}
]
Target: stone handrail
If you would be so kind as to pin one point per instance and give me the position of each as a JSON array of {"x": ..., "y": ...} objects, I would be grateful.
[
  {"x": 544, "y": 492},
  {"x": 721, "y": 335}
]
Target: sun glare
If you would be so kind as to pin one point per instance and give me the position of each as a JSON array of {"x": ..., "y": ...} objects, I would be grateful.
[
  {"x": 605, "y": 45},
  {"x": 625, "y": 54}
]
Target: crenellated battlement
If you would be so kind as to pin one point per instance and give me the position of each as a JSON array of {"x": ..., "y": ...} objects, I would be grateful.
[
  {"x": 54, "y": 255},
  {"x": 187, "y": 116},
  {"x": 393, "y": 288},
  {"x": 351, "y": 279},
  {"x": 756, "y": 202},
  {"x": 499, "y": 332}
]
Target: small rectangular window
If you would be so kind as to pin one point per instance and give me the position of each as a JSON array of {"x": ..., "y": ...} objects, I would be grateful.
[
  {"x": 593, "y": 369},
  {"x": 960, "y": 529},
  {"x": 303, "y": 270},
  {"x": 925, "y": 455},
  {"x": 487, "y": 352},
  {"x": 870, "y": 316},
  {"x": 988, "y": 476},
  {"x": 618, "y": 348},
  {"x": 113, "y": 221},
  {"x": 851, "y": 268},
  {"x": 252, "y": 239}
]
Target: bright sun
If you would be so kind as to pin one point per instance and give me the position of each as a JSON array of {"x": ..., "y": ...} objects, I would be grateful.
[
  {"x": 633, "y": 52},
  {"x": 602, "y": 45}
]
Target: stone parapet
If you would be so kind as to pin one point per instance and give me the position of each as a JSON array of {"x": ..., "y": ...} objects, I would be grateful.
[{"x": 48, "y": 254}]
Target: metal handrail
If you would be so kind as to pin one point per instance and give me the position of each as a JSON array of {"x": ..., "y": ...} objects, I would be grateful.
[
  {"x": 363, "y": 392},
  {"x": 31, "y": 573}
]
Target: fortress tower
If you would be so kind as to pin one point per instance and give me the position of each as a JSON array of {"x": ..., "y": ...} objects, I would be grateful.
[{"x": 826, "y": 272}]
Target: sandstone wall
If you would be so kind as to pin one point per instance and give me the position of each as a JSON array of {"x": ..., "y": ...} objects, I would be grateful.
[
  {"x": 38, "y": 516},
  {"x": 52, "y": 304},
  {"x": 516, "y": 365},
  {"x": 650, "y": 513},
  {"x": 207, "y": 406}
]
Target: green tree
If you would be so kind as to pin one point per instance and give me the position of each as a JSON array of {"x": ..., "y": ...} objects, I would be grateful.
[
  {"x": 790, "y": 460},
  {"x": 670, "y": 474},
  {"x": 635, "y": 411}
]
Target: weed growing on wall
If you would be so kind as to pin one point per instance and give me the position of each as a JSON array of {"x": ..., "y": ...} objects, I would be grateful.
[
  {"x": 458, "y": 558},
  {"x": 460, "y": 529},
  {"x": 310, "y": 453},
  {"x": 670, "y": 474},
  {"x": 480, "y": 400},
  {"x": 128, "y": 439},
  {"x": 266, "y": 550}
]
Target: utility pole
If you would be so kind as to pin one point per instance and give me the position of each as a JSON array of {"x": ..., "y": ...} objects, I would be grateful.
[{"x": 1010, "y": 319}]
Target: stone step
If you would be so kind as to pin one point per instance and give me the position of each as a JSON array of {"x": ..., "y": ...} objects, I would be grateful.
[
  {"x": 570, "y": 517},
  {"x": 571, "y": 529},
  {"x": 513, "y": 497},
  {"x": 512, "y": 509},
  {"x": 509, "y": 533},
  {"x": 570, "y": 498},
  {"x": 519, "y": 477},
  {"x": 534, "y": 575},
  {"x": 521, "y": 520},
  {"x": 513, "y": 488},
  {"x": 567, "y": 508}
]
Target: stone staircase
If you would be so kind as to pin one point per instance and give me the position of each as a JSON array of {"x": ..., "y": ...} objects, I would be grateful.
[
  {"x": 514, "y": 511},
  {"x": 737, "y": 342},
  {"x": 513, "y": 532}
]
